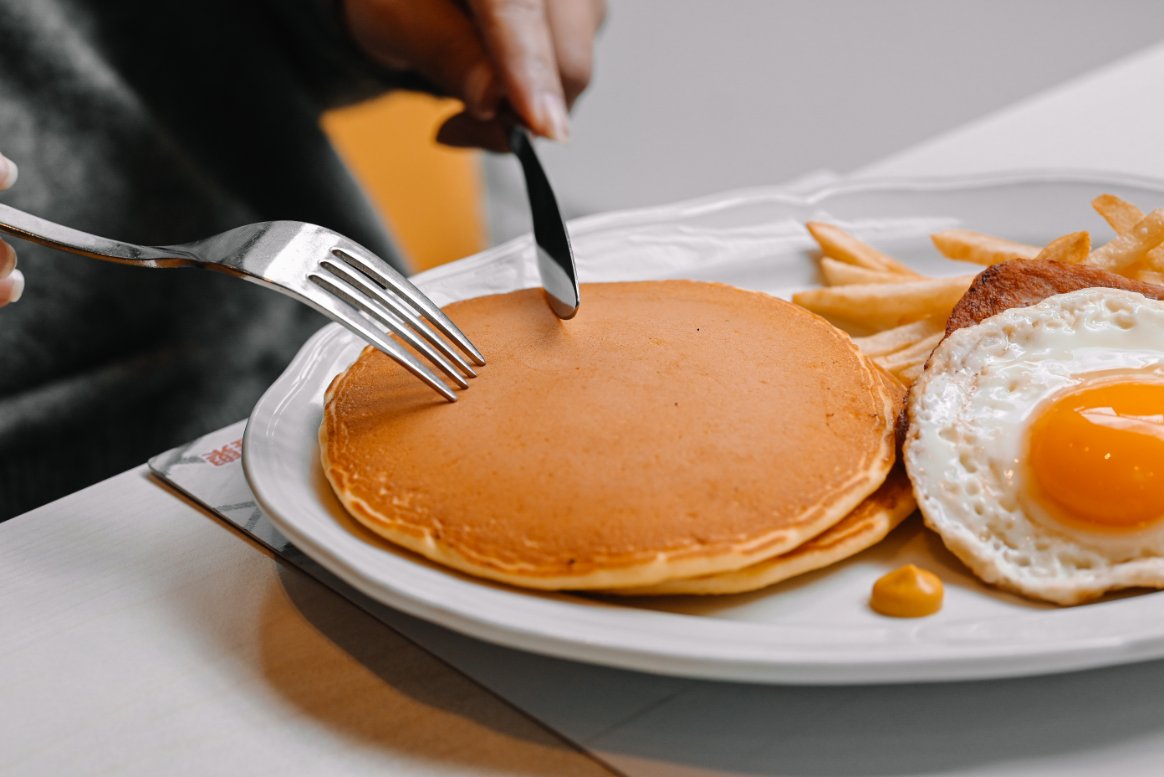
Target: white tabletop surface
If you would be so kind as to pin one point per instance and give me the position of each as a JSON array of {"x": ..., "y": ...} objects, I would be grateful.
[{"x": 142, "y": 636}]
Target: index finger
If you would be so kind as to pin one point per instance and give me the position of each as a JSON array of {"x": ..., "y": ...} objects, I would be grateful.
[
  {"x": 573, "y": 27},
  {"x": 517, "y": 36}
]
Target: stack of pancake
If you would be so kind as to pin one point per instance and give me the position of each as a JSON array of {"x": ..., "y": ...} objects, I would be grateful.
[{"x": 675, "y": 437}]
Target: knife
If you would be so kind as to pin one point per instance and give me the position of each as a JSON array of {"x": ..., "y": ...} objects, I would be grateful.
[{"x": 554, "y": 255}]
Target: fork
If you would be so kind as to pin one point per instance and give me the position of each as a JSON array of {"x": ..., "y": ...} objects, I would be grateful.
[{"x": 336, "y": 276}]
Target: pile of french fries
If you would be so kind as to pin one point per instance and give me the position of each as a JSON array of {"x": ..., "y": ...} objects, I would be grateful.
[{"x": 900, "y": 315}]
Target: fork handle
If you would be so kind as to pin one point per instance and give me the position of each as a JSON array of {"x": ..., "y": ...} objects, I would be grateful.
[{"x": 29, "y": 227}]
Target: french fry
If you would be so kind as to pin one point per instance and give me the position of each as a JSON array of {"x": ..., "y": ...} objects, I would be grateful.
[
  {"x": 883, "y": 306},
  {"x": 910, "y": 358},
  {"x": 919, "y": 351},
  {"x": 837, "y": 273},
  {"x": 840, "y": 245},
  {"x": 1155, "y": 259},
  {"x": 966, "y": 245},
  {"x": 1131, "y": 246},
  {"x": 909, "y": 374},
  {"x": 1150, "y": 276},
  {"x": 1120, "y": 214},
  {"x": 1123, "y": 216},
  {"x": 898, "y": 338},
  {"x": 1069, "y": 249}
]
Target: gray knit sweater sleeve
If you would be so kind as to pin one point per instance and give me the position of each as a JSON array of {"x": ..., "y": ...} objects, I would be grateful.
[
  {"x": 327, "y": 58},
  {"x": 159, "y": 123}
]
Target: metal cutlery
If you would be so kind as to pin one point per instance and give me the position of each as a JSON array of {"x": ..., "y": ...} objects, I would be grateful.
[
  {"x": 321, "y": 268},
  {"x": 555, "y": 258}
]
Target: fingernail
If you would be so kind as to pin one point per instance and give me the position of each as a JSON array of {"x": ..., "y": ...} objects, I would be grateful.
[
  {"x": 478, "y": 87},
  {"x": 552, "y": 116},
  {"x": 16, "y": 285},
  {"x": 9, "y": 172}
]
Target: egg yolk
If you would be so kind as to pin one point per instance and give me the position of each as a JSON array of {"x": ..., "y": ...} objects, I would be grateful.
[{"x": 1097, "y": 455}]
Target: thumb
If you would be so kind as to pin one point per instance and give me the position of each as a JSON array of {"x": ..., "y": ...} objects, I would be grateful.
[{"x": 434, "y": 38}]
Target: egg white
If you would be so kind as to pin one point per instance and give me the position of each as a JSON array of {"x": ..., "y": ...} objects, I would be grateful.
[{"x": 969, "y": 418}]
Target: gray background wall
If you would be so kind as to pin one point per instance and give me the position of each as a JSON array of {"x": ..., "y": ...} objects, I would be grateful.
[{"x": 691, "y": 97}]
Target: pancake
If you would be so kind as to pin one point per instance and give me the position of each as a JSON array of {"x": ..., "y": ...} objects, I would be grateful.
[
  {"x": 871, "y": 521},
  {"x": 874, "y": 518},
  {"x": 672, "y": 429}
]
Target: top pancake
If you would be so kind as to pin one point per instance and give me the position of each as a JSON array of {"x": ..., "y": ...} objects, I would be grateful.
[{"x": 672, "y": 429}]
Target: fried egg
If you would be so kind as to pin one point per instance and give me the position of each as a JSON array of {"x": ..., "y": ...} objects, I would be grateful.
[{"x": 1036, "y": 445}]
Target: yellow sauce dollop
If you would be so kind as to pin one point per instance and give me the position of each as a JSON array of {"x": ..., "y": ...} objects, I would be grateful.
[{"x": 907, "y": 592}]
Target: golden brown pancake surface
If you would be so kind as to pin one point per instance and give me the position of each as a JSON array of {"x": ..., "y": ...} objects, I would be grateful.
[{"x": 673, "y": 428}]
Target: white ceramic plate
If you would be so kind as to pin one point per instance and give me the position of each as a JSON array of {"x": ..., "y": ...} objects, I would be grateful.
[{"x": 815, "y": 629}]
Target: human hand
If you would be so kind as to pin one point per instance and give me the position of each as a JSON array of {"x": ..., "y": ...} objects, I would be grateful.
[
  {"x": 536, "y": 55},
  {"x": 11, "y": 279}
]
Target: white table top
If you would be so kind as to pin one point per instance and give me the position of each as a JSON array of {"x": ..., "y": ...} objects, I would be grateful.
[{"x": 142, "y": 636}]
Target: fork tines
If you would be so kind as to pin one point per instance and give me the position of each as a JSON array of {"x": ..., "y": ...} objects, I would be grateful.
[{"x": 378, "y": 298}]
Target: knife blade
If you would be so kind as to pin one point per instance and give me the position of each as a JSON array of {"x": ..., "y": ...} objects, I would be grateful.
[{"x": 555, "y": 257}]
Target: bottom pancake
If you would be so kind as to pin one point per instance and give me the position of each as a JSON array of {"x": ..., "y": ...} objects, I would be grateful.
[{"x": 873, "y": 519}]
